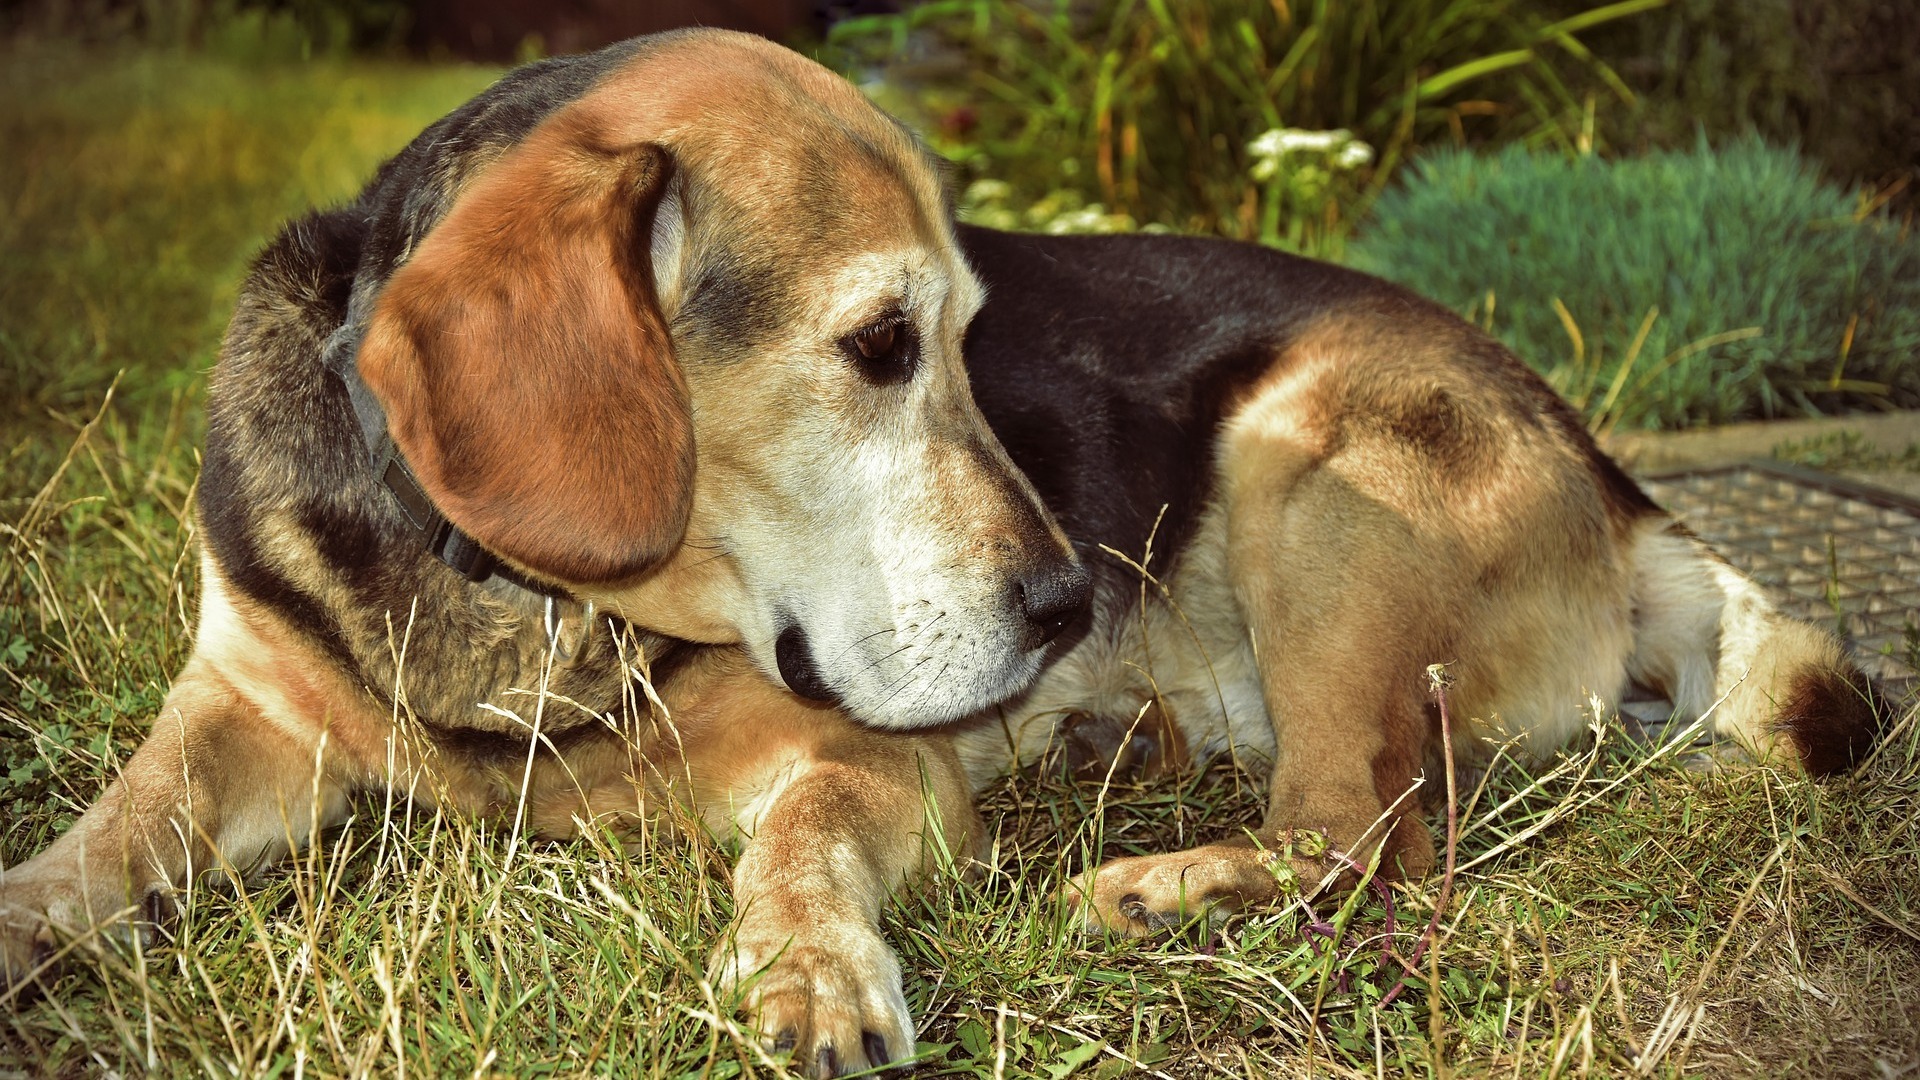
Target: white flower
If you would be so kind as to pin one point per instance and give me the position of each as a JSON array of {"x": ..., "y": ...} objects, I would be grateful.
[
  {"x": 1266, "y": 145},
  {"x": 1092, "y": 218},
  {"x": 1283, "y": 141},
  {"x": 1339, "y": 145},
  {"x": 985, "y": 191}
]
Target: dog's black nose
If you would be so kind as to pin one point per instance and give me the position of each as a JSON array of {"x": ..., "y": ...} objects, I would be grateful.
[
  {"x": 795, "y": 660},
  {"x": 1052, "y": 597}
]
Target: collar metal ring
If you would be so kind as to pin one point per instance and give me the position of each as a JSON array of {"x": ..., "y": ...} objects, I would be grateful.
[{"x": 562, "y": 654}]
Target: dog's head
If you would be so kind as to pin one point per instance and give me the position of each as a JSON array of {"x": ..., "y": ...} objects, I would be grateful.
[{"x": 692, "y": 347}]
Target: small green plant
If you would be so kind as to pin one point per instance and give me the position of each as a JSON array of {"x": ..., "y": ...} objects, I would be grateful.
[
  {"x": 1305, "y": 177},
  {"x": 1151, "y": 108},
  {"x": 1847, "y": 450},
  {"x": 1673, "y": 289}
]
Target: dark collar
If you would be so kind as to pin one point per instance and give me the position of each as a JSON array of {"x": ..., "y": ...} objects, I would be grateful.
[{"x": 441, "y": 537}]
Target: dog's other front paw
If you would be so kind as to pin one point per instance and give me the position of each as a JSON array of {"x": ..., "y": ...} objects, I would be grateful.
[
  {"x": 54, "y": 904},
  {"x": 1143, "y": 895},
  {"x": 831, "y": 996}
]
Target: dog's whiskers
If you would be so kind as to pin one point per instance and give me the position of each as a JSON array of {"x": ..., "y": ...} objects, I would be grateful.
[
  {"x": 857, "y": 642},
  {"x": 896, "y": 685},
  {"x": 927, "y": 687},
  {"x": 877, "y": 661}
]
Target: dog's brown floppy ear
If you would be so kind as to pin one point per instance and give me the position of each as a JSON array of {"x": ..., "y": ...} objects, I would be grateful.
[{"x": 526, "y": 369}]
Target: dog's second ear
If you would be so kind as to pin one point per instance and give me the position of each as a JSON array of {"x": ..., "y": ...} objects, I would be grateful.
[{"x": 526, "y": 368}]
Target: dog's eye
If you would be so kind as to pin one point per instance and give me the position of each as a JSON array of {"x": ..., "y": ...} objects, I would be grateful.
[
  {"x": 877, "y": 342},
  {"x": 884, "y": 351}
]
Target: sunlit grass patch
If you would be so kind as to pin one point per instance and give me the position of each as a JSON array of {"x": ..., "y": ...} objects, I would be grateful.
[
  {"x": 139, "y": 182},
  {"x": 1621, "y": 908}
]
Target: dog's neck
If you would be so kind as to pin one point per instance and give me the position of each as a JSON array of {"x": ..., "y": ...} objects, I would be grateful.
[{"x": 447, "y": 541}]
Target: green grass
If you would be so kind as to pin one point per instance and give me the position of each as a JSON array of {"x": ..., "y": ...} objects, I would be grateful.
[
  {"x": 1770, "y": 921},
  {"x": 1678, "y": 288},
  {"x": 137, "y": 185},
  {"x": 1847, "y": 450}
]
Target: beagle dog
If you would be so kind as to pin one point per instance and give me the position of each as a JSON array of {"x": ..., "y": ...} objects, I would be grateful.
[{"x": 665, "y": 368}]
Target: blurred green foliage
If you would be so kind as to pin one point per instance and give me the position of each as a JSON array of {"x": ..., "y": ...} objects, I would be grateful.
[
  {"x": 1275, "y": 120},
  {"x": 1669, "y": 289},
  {"x": 252, "y": 30},
  {"x": 1149, "y": 108},
  {"x": 1841, "y": 78},
  {"x": 139, "y": 183}
]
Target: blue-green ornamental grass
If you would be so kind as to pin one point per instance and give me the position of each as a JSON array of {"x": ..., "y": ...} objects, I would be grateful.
[{"x": 1668, "y": 290}]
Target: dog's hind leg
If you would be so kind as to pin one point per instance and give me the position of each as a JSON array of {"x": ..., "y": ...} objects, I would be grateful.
[
  {"x": 216, "y": 786},
  {"x": 832, "y": 819},
  {"x": 1332, "y": 588},
  {"x": 1336, "y": 524}
]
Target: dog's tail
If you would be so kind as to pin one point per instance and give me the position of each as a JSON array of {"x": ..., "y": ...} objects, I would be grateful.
[{"x": 1706, "y": 634}]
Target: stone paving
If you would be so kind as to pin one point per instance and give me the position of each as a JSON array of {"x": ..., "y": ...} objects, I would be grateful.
[{"x": 1838, "y": 554}]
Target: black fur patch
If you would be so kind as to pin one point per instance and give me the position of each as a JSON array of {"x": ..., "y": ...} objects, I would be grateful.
[
  {"x": 1112, "y": 411},
  {"x": 1832, "y": 718}
]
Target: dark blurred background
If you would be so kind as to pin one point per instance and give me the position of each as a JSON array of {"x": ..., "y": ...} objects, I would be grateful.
[
  {"x": 1839, "y": 78},
  {"x": 484, "y": 30}
]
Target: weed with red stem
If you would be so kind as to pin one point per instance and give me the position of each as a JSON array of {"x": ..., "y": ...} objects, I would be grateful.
[{"x": 1437, "y": 678}]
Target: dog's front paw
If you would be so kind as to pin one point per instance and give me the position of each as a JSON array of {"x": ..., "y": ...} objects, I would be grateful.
[
  {"x": 26, "y": 946},
  {"x": 830, "y": 995},
  {"x": 54, "y": 904},
  {"x": 38, "y": 912}
]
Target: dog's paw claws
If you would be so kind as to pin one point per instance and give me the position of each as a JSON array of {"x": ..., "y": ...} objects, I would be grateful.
[
  {"x": 875, "y": 1046},
  {"x": 26, "y": 951},
  {"x": 832, "y": 1000}
]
